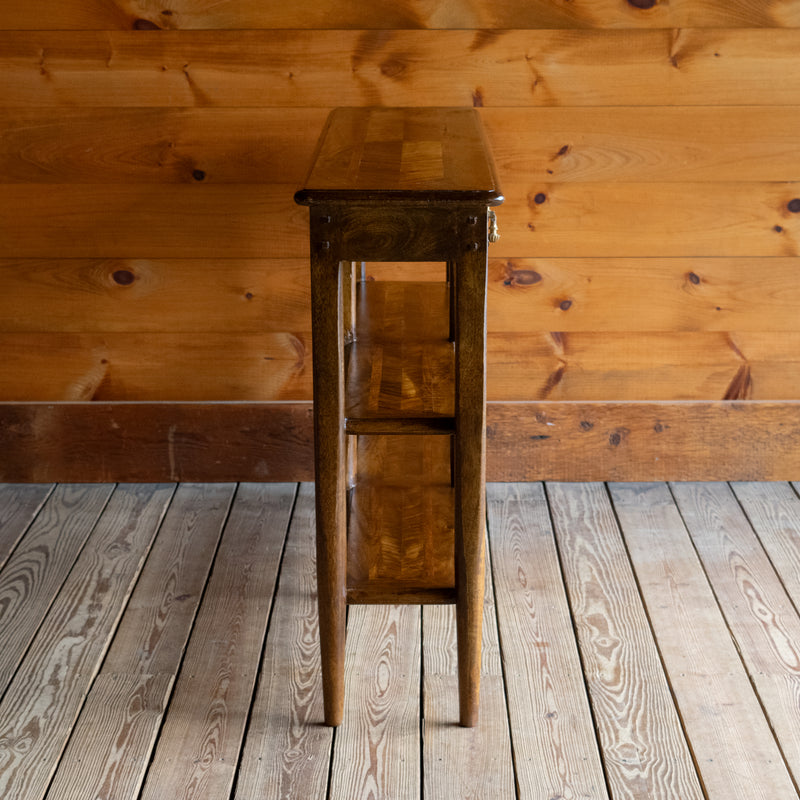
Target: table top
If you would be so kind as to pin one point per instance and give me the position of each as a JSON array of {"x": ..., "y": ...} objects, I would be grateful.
[{"x": 402, "y": 155}]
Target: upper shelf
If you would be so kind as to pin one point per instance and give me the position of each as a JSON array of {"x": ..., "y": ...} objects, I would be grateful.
[
  {"x": 400, "y": 369},
  {"x": 402, "y": 154}
]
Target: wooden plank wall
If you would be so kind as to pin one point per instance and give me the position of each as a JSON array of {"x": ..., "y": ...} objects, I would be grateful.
[{"x": 647, "y": 267}]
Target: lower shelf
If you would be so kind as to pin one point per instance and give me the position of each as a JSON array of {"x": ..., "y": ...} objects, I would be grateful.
[{"x": 401, "y": 511}]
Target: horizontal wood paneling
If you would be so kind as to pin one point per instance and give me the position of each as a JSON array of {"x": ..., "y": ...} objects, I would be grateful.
[
  {"x": 185, "y": 14},
  {"x": 643, "y": 294},
  {"x": 234, "y": 145},
  {"x": 526, "y": 295},
  {"x": 291, "y": 69},
  {"x": 568, "y": 441},
  {"x": 107, "y": 295},
  {"x": 161, "y": 366},
  {"x": 582, "y": 365},
  {"x": 558, "y": 219}
]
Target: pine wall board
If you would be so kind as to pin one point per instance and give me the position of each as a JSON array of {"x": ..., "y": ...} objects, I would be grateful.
[{"x": 150, "y": 249}]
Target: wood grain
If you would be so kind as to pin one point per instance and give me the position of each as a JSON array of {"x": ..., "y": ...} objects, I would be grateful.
[
  {"x": 199, "y": 744},
  {"x": 154, "y": 145},
  {"x": 112, "y": 741},
  {"x": 19, "y": 505},
  {"x": 572, "y": 366},
  {"x": 377, "y": 750},
  {"x": 526, "y": 441},
  {"x": 765, "y": 626},
  {"x": 774, "y": 511},
  {"x": 204, "y": 442},
  {"x": 275, "y": 145},
  {"x": 305, "y": 68},
  {"x": 400, "y": 543},
  {"x": 608, "y": 295},
  {"x": 35, "y": 572},
  {"x": 613, "y": 220},
  {"x": 547, "y": 701},
  {"x": 37, "y": 569},
  {"x": 463, "y": 763},
  {"x": 47, "y": 693},
  {"x": 151, "y": 295},
  {"x": 350, "y": 14},
  {"x": 626, "y": 441},
  {"x": 525, "y": 294},
  {"x": 710, "y": 685},
  {"x": 645, "y": 753},
  {"x": 287, "y": 752},
  {"x": 122, "y": 14}
]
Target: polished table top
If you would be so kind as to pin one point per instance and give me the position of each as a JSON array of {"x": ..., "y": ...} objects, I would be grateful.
[{"x": 404, "y": 154}]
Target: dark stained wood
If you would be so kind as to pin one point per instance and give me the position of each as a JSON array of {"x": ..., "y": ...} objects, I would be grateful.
[
  {"x": 400, "y": 368},
  {"x": 330, "y": 454},
  {"x": 628, "y": 441},
  {"x": 414, "y": 185},
  {"x": 400, "y": 532},
  {"x": 139, "y": 441},
  {"x": 379, "y": 155},
  {"x": 525, "y": 441}
]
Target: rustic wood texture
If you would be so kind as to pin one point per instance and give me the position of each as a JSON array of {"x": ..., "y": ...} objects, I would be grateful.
[
  {"x": 409, "y": 744},
  {"x": 174, "y": 441},
  {"x": 676, "y": 220},
  {"x": 111, "y": 744},
  {"x": 200, "y": 741},
  {"x": 711, "y": 687},
  {"x": 148, "y": 157},
  {"x": 305, "y": 67},
  {"x": 36, "y": 571},
  {"x": 526, "y": 441},
  {"x": 19, "y": 505},
  {"x": 768, "y": 636},
  {"x": 543, "y": 669},
  {"x": 183, "y": 14},
  {"x": 377, "y": 749},
  {"x": 45, "y": 697},
  {"x": 644, "y": 753},
  {"x": 287, "y": 753},
  {"x": 461, "y": 763},
  {"x": 275, "y": 145},
  {"x": 401, "y": 519}
]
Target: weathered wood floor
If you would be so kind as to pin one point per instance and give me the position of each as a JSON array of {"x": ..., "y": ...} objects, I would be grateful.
[{"x": 641, "y": 641}]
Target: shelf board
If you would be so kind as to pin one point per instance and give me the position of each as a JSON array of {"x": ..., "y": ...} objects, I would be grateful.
[
  {"x": 400, "y": 369},
  {"x": 400, "y": 545}
]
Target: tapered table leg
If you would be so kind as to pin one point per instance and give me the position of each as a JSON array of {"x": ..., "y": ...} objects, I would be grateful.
[
  {"x": 470, "y": 504},
  {"x": 330, "y": 466}
]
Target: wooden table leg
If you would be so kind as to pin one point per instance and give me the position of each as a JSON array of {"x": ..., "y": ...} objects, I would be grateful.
[
  {"x": 330, "y": 465},
  {"x": 470, "y": 293}
]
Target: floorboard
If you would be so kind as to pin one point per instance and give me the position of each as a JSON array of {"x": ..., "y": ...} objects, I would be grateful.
[{"x": 640, "y": 642}]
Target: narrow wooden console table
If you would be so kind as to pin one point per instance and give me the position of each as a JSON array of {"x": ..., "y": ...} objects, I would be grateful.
[{"x": 399, "y": 372}]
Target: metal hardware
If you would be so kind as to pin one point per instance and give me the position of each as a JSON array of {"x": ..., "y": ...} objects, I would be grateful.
[{"x": 493, "y": 232}]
